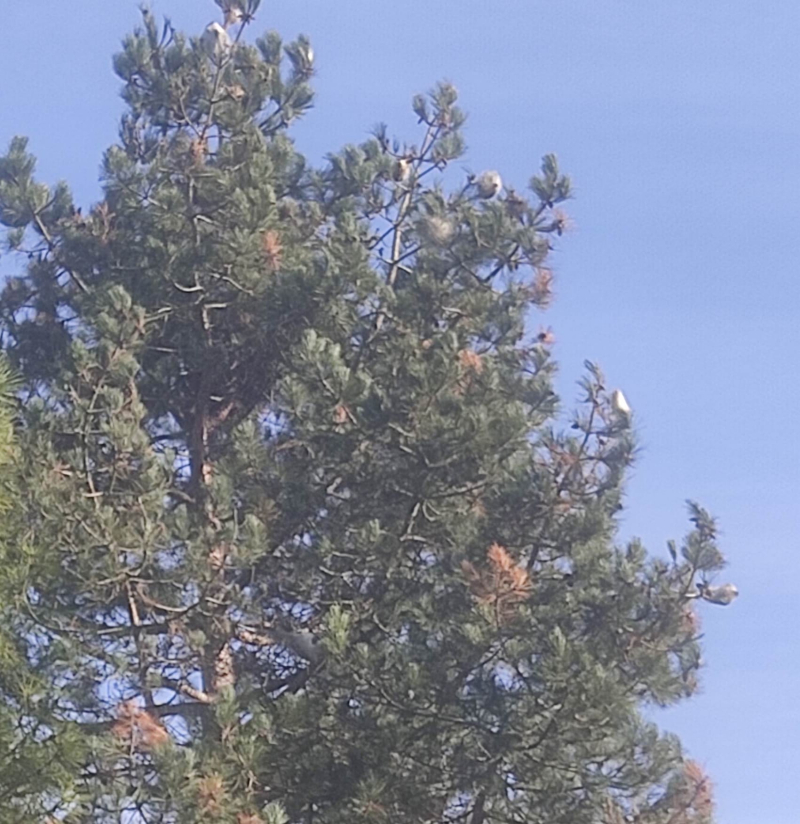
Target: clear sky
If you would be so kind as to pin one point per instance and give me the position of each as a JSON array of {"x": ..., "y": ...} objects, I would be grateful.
[{"x": 679, "y": 122}]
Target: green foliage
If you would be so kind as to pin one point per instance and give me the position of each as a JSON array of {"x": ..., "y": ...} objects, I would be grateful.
[
  {"x": 39, "y": 756},
  {"x": 296, "y": 535},
  {"x": 8, "y": 386}
]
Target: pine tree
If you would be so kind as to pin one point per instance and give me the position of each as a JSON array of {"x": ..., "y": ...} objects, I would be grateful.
[{"x": 298, "y": 536}]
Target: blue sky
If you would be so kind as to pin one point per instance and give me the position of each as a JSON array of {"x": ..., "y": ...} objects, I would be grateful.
[{"x": 679, "y": 122}]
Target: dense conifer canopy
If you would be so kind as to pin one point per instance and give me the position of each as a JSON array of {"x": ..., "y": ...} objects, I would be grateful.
[{"x": 291, "y": 531}]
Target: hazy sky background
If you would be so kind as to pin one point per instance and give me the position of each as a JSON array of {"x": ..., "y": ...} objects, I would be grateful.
[{"x": 679, "y": 122}]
